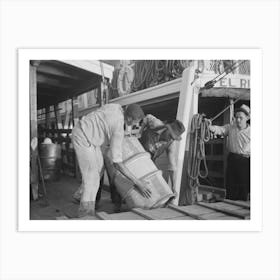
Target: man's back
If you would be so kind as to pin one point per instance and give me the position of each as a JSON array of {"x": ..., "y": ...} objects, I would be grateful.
[{"x": 100, "y": 125}]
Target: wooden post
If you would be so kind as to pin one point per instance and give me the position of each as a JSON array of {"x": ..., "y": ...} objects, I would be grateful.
[
  {"x": 58, "y": 121},
  {"x": 75, "y": 111},
  {"x": 34, "y": 180},
  {"x": 186, "y": 108},
  {"x": 228, "y": 118},
  {"x": 58, "y": 117},
  {"x": 67, "y": 114},
  {"x": 100, "y": 94},
  {"x": 47, "y": 120},
  {"x": 231, "y": 110},
  {"x": 75, "y": 119}
]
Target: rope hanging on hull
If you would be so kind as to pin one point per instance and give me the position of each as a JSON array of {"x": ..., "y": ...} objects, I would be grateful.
[
  {"x": 153, "y": 72},
  {"x": 199, "y": 135}
]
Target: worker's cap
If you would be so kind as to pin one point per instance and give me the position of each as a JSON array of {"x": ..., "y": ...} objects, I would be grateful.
[
  {"x": 135, "y": 112},
  {"x": 243, "y": 108},
  {"x": 176, "y": 129}
]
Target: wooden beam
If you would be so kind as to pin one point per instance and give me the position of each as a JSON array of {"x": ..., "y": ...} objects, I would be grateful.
[
  {"x": 33, "y": 129},
  {"x": 58, "y": 121},
  {"x": 58, "y": 116},
  {"x": 67, "y": 115},
  {"x": 75, "y": 111},
  {"x": 164, "y": 91},
  {"x": 47, "y": 82},
  {"x": 60, "y": 95},
  {"x": 92, "y": 66},
  {"x": 75, "y": 119},
  {"x": 186, "y": 108},
  {"x": 55, "y": 71},
  {"x": 47, "y": 121}
]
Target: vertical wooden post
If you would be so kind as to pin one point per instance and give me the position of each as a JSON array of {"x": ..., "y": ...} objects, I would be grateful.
[
  {"x": 57, "y": 117},
  {"x": 47, "y": 120},
  {"x": 100, "y": 94},
  {"x": 75, "y": 111},
  {"x": 33, "y": 127},
  {"x": 186, "y": 108},
  {"x": 228, "y": 117},
  {"x": 67, "y": 114},
  {"x": 58, "y": 121},
  {"x": 231, "y": 110},
  {"x": 75, "y": 119},
  {"x": 85, "y": 101}
]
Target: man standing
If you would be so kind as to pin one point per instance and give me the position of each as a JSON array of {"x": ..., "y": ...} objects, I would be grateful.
[
  {"x": 238, "y": 162},
  {"x": 100, "y": 128}
]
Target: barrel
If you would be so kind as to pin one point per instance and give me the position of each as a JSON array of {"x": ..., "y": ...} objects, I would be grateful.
[
  {"x": 50, "y": 156},
  {"x": 143, "y": 168},
  {"x": 161, "y": 193}
]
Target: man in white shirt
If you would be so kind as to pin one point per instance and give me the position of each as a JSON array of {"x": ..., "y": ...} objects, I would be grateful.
[
  {"x": 101, "y": 128},
  {"x": 239, "y": 147}
]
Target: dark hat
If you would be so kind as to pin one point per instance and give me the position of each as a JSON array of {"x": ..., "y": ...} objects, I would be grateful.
[
  {"x": 176, "y": 129},
  {"x": 243, "y": 108},
  {"x": 134, "y": 111}
]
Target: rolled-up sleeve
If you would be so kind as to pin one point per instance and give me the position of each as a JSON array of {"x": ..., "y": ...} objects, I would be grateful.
[{"x": 220, "y": 130}]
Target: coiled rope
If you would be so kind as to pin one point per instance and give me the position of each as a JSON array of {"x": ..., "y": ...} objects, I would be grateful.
[
  {"x": 149, "y": 73},
  {"x": 113, "y": 86},
  {"x": 199, "y": 134}
]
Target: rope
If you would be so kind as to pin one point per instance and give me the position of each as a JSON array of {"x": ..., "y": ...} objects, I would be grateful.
[
  {"x": 153, "y": 72},
  {"x": 224, "y": 110},
  {"x": 199, "y": 134},
  {"x": 227, "y": 70},
  {"x": 113, "y": 86},
  {"x": 149, "y": 73}
]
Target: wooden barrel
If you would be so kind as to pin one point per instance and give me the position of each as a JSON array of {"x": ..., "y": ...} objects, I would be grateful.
[
  {"x": 144, "y": 169},
  {"x": 161, "y": 192},
  {"x": 50, "y": 156},
  {"x": 139, "y": 163}
]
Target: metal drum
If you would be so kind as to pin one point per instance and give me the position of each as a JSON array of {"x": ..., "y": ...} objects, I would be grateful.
[{"x": 50, "y": 156}]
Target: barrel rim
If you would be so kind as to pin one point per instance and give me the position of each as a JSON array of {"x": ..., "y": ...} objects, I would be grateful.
[{"x": 136, "y": 156}]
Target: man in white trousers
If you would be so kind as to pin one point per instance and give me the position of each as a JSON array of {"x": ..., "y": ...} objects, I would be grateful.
[{"x": 101, "y": 128}]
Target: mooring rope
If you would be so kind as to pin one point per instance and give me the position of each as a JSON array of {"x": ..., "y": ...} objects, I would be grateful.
[{"x": 199, "y": 135}]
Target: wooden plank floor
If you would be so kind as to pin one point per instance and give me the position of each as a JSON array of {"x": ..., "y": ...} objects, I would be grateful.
[{"x": 224, "y": 210}]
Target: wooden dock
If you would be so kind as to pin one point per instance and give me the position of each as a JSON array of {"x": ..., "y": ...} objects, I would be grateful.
[{"x": 223, "y": 210}]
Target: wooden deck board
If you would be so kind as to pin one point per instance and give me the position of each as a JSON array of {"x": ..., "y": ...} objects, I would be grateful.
[
  {"x": 183, "y": 218},
  {"x": 200, "y": 211},
  {"x": 120, "y": 216},
  {"x": 228, "y": 206},
  {"x": 163, "y": 213},
  {"x": 235, "y": 212},
  {"x": 226, "y": 217},
  {"x": 195, "y": 209},
  {"x": 213, "y": 216}
]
